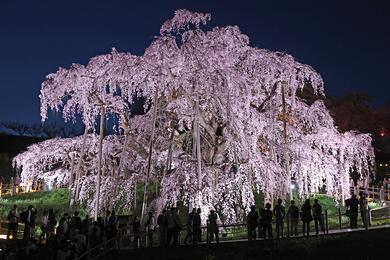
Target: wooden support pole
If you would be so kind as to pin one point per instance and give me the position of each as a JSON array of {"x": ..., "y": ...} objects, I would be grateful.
[
  {"x": 198, "y": 149},
  {"x": 286, "y": 140},
  {"x": 145, "y": 198},
  {"x": 80, "y": 162},
  {"x": 71, "y": 180},
  {"x": 100, "y": 155},
  {"x": 339, "y": 218}
]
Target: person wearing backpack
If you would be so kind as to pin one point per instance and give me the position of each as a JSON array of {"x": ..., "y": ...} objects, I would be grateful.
[{"x": 12, "y": 223}]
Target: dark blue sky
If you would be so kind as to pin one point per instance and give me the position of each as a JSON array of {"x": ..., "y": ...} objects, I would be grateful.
[{"x": 346, "y": 41}]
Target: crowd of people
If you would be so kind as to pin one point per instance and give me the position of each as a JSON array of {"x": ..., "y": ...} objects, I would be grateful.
[
  {"x": 67, "y": 236},
  {"x": 170, "y": 227},
  {"x": 260, "y": 224}
]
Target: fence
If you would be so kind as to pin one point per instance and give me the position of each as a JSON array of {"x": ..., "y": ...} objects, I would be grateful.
[
  {"x": 332, "y": 222},
  {"x": 12, "y": 189},
  {"x": 101, "y": 249},
  {"x": 374, "y": 193},
  {"x": 336, "y": 221}
]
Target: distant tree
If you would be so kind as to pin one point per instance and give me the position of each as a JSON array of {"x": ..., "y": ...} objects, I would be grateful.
[
  {"x": 353, "y": 112},
  {"x": 19, "y": 128}
]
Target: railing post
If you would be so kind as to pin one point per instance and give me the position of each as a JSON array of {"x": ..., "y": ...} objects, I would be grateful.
[
  {"x": 147, "y": 240},
  {"x": 89, "y": 253},
  {"x": 339, "y": 218},
  {"x": 326, "y": 222},
  {"x": 369, "y": 217},
  {"x": 288, "y": 226}
]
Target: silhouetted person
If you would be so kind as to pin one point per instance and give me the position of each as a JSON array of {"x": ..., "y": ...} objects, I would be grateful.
[
  {"x": 252, "y": 220},
  {"x": 29, "y": 222},
  {"x": 105, "y": 222},
  {"x": 213, "y": 227},
  {"x": 174, "y": 226},
  {"x": 94, "y": 238},
  {"x": 306, "y": 217},
  {"x": 293, "y": 215},
  {"x": 136, "y": 230},
  {"x": 44, "y": 226},
  {"x": 190, "y": 227},
  {"x": 363, "y": 208},
  {"x": 112, "y": 225},
  {"x": 63, "y": 226},
  {"x": 197, "y": 227},
  {"x": 12, "y": 223},
  {"x": 86, "y": 225},
  {"x": 260, "y": 223},
  {"x": 317, "y": 215},
  {"x": 76, "y": 222},
  {"x": 279, "y": 213},
  {"x": 162, "y": 222},
  {"x": 52, "y": 222},
  {"x": 352, "y": 212},
  {"x": 150, "y": 224},
  {"x": 267, "y": 221}
]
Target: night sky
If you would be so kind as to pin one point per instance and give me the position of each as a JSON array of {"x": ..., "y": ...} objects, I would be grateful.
[{"x": 347, "y": 42}]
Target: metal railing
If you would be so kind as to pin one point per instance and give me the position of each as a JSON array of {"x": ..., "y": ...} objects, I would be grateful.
[
  {"x": 101, "y": 249},
  {"x": 338, "y": 221}
]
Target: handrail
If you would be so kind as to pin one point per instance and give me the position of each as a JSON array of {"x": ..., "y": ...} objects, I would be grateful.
[
  {"x": 324, "y": 225},
  {"x": 104, "y": 244}
]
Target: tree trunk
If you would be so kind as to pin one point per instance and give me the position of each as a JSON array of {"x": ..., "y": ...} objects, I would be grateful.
[
  {"x": 198, "y": 150},
  {"x": 101, "y": 136},
  {"x": 287, "y": 163},
  {"x": 71, "y": 180},
  {"x": 169, "y": 156},
  {"x": 145, "y": 198},
  {"x": 78, "y": 170},
  {"x": 119, "y": 172},
  {"x": 135, "y": 196}
]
